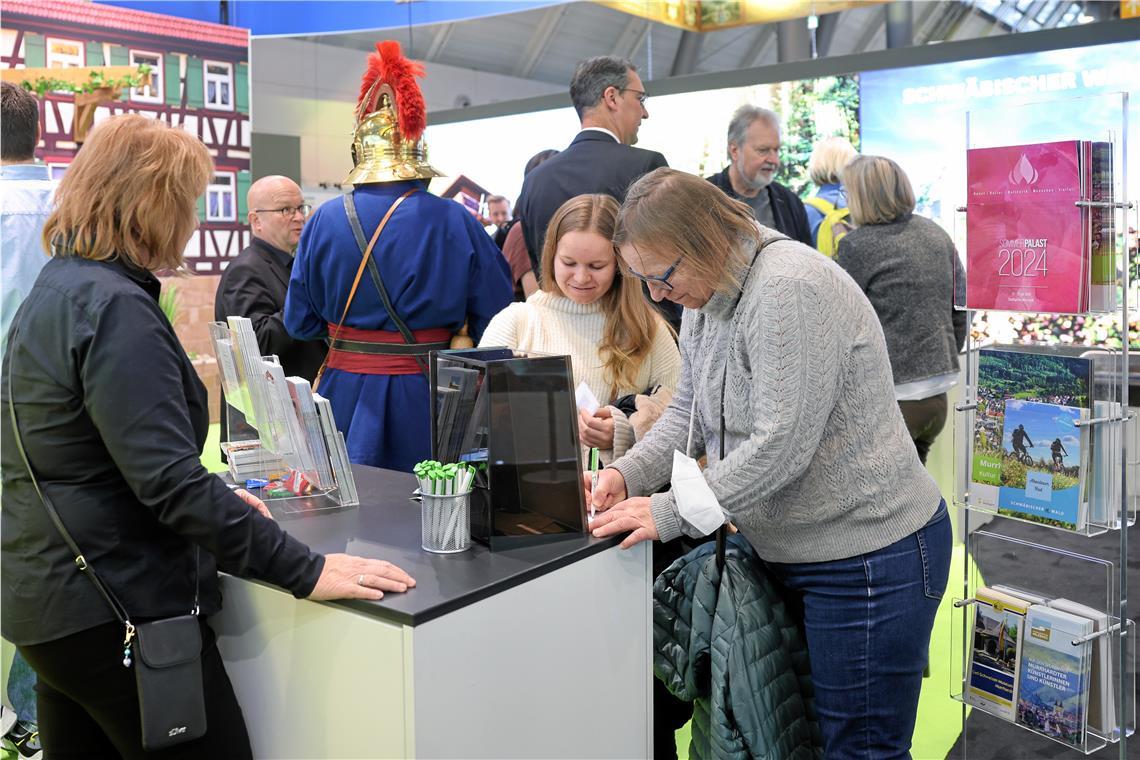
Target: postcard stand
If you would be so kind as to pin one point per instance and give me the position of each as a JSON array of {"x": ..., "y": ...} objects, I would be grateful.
[
  {"x": 1006, "y": 262},
  {"x": 276, "y": 426}
]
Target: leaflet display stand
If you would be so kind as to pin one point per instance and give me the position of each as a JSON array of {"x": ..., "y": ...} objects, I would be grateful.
[
  {"x": 1045, "y": 433},
  {"x": 281, "y": 437}
]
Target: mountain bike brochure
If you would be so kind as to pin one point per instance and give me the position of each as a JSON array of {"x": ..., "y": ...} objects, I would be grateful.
[{"x": 1044, "y": 452}]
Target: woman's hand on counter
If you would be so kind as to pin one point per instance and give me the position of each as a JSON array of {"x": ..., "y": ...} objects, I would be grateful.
[
  {"x": 253, "y": 501},
  {"x": 632, "y": 515},
  {"x": 611, "y": 489},
  {"x": 596, "y": 430},
  {"x": 349, "y": 577}
]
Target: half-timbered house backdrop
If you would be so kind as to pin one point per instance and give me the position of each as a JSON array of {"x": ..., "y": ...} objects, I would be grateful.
[{"x": 199, "y": 82}]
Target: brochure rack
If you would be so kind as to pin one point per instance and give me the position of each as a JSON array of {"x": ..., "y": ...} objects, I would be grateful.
[
  {"x": 1042, "y": 231},
  {"x": 278, "y": 430}
]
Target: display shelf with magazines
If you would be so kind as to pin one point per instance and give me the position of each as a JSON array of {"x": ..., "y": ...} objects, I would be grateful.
[
  {"x": 1045, "y": 434},
  {"x": 1041, "y": 435},
  {"x": 281, "y": 441},
  {"x": 1050, "y": 665}
]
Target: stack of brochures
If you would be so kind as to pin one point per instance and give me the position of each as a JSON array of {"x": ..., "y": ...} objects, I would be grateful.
[
  {"x": 1030, "y": 247},
  {"x": 1038, "y": 662},
  {"x": 1033, "y": 457},
  {"x": 294, "y": 427}
]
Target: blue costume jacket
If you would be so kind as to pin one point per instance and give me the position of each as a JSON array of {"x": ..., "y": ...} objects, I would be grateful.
[
  {"x": 440, "y": 268},
  {"x": 836, "y": 195}
]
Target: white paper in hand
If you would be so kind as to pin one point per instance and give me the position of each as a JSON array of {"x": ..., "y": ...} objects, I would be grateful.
[
  {"x": 696, "y": 502},
  {"x": 586, "y": 399}
]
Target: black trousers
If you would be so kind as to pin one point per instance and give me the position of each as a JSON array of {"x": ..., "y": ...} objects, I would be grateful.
[
  {"x": 925, "y": 419},
  {"x": 89, "y": 708}
]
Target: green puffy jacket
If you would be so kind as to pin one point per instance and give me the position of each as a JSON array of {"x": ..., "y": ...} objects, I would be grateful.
[{"x": 725, "y": 642}]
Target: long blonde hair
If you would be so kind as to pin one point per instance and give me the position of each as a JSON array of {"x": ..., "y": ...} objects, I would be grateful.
[
  {"x": 670, "y": 211},
  {"x": 631, "y": 323},
  {"x": 131, "y": 192}
]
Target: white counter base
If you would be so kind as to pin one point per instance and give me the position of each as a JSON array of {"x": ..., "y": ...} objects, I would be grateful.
[{"x": 557, "y": 667}]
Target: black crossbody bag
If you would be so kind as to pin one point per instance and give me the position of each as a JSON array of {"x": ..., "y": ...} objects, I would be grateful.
[{"x": 168, "y": 668}]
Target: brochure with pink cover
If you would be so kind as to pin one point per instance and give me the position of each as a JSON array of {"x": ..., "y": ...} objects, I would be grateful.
[{"x": 1024, "y": 244}]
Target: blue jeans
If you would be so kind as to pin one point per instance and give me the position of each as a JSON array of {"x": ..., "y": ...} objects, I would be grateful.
[
  {"x": 22, "y": 689},
  {"x": 867, "y": 622}
]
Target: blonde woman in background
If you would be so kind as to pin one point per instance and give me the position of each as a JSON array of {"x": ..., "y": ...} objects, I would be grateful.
[
  {"x": 829, "y": 204},
  {"x": 618, "y": 344}
]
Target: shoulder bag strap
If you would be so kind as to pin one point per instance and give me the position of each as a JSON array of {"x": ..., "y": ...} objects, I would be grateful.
[
  {"x": 722, "y": 531},
  {"x": 354, "y": 223}
]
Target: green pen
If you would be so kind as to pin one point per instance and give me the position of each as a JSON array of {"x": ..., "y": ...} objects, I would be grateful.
[{"x": 595, "y": 455}]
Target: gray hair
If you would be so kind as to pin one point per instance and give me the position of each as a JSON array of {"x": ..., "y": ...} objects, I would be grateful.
[
  {"x": 593, "y": 75},
  {"x": 742, "y": 119}
]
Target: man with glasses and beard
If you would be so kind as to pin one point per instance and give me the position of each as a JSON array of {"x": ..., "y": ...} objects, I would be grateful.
[{"x": 754, "y": 155}]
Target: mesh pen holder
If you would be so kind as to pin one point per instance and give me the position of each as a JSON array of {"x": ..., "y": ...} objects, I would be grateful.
[{"x": 445, "y": 527}]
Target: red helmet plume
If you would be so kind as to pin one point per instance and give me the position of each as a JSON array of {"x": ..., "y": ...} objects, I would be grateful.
[{"x": 389, "y": 66}]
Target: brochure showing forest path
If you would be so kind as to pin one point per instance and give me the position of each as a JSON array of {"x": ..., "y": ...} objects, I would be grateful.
[{"x": 1028, "y": 447}]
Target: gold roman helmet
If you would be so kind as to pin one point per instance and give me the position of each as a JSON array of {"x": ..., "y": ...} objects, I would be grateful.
[{"x": 388, "y": 145}]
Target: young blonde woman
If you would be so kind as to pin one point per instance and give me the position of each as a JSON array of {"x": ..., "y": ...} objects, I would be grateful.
[{"x": 617, "y": 342}]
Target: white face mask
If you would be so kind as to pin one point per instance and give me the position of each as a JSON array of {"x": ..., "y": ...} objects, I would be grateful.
[{"x": 696, "y": 502}]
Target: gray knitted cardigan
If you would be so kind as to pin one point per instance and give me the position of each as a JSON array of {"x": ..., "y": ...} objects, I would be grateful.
[
  {"x": 819, "y": 465},
  {"x": 908, "y": 270}
]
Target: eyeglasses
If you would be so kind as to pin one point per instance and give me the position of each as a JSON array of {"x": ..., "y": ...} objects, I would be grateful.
[
  {"x": 642, "y": 96},
  {"x": 286, "y": 212},
  {"x": 661, "y": 281}
]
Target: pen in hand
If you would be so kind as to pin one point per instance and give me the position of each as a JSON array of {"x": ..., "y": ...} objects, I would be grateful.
[{"x": 594, "y": 456}]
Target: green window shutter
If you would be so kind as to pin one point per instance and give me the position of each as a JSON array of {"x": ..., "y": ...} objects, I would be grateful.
[
  {"x": 243, "y": 182},
  {"x": 195, "y": 97},
  {"x": 241, "y": 87},
  {"x": 202, "y": 207},
  {"x": 35, "y": 51},
  {"x": 172, "y": 79},
  {"x": 120, "y": 56},
  {"x": 94, "y": 53}
]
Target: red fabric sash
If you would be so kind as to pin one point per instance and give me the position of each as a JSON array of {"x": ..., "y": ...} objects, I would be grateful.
[{"x": 377, "y": 364}]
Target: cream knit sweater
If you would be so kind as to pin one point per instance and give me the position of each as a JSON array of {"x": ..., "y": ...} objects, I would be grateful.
[{"x": 552, "y": 324}]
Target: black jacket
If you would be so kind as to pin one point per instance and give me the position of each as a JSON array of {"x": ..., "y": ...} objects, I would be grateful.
[
  {"x": 254, "y": 285},
  {"x": 594, "y": 163},
  {"x": 787, "y": 209},
  {"x": 113, "y": 418}
]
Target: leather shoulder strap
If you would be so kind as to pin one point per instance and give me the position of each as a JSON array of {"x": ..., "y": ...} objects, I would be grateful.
[{"x": 354, "y": 223}]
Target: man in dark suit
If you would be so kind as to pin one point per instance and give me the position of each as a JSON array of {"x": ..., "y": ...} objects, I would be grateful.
[
  {"x": 610, "y": 100},
  {"x": 254, "y": 284},
  {"x": 754, "y": 153}
]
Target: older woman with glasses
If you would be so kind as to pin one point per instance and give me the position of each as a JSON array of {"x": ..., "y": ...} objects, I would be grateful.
[{"x": 782, "y": 352}]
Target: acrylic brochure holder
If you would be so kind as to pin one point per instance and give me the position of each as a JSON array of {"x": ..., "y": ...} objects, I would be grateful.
[
  {"x": 280, "y": 436},
  {"x": 513, "y": 417},
  {"x": 1045, "y": 433},
  {"x": 1068, "y": 694}
]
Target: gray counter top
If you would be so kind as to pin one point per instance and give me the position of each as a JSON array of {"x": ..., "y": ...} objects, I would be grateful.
[{"x": 386, "y": 526}]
